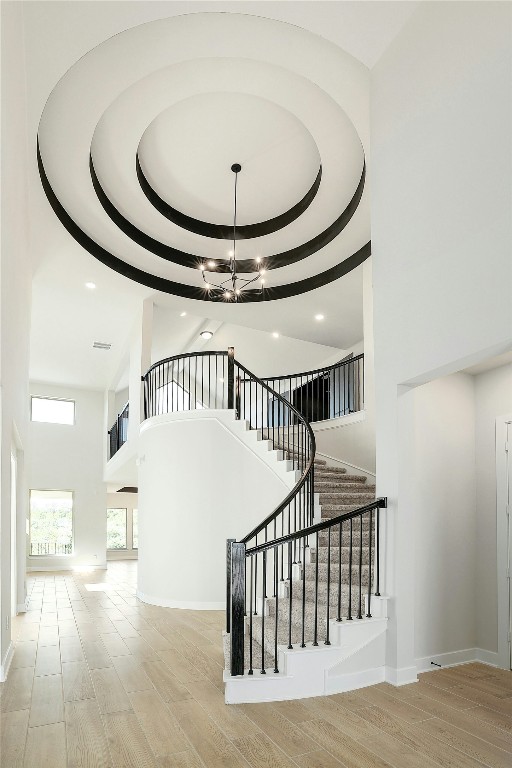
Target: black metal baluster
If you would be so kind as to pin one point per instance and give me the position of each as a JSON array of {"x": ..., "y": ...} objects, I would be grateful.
[
  {"x": 349, "y": 617},
  {"x": 256, "y": 578},
  {"x": 327, "y": 640},
  {"x": 263, "y": 611},
  {"x": 209, "y": 379},
  {"x": 303, "y": 628},
  {"x": 315, "y": 640},
  {"x": 368, "y": 611},
  {"x": 282, "y": 554},
  {"x": 276, "y": 592},
  {"x": 340, "y": 543},
  {"x": 377, "y": 544},
  {"x": 360, "y": 612},
  {"x": 250, "y": 617},
  {"x": 290, "y": 592}
]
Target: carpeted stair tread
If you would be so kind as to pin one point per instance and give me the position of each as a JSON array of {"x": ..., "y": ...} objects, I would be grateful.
[
  {"x": 326, "y": 474},
  {"x": 322, "y": 571},
  {"x": 323, "y": 553}
]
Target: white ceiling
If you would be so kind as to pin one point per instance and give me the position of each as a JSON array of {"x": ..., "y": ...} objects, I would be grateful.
[{"x": 67, "y": 318}]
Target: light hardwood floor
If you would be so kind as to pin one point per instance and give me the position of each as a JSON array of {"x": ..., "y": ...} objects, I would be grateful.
[{"x": 99, "y": 679}]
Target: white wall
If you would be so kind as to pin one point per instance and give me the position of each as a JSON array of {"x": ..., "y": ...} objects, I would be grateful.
[
  {"x": 199, "y": 484},
  {"x": 493, "y": 397},
  {"x": 355, "y": 443},
  {"x": 264, "y": 355},
  {"x": 441, "y": 121},
  {"x": 440, "y": 488},
  {"x": 15, "y": 306},
  {"x": 128, "y": 501},
  {"x": 120, "y": 400},
  {"x": 63, "y": 457}
]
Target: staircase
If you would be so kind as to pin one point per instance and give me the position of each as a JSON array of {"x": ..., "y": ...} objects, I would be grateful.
[
  {"x": 304, "y": 612},
  {"x": 326, "y": 625}
]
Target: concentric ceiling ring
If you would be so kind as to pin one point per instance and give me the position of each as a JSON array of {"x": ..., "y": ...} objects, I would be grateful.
[
  {"x": 62, "y": 121},
  {"x": 221, "y": 231}
]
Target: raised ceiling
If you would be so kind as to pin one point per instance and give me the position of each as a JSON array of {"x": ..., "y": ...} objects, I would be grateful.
[
  {"x": 175, "y": 103},
  {"x": 60, "y": 350}
]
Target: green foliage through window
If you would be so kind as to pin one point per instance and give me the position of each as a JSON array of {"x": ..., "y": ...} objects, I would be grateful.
[
  {"x": 116, "y": 528},
  {"x": 51, "y": 522}
]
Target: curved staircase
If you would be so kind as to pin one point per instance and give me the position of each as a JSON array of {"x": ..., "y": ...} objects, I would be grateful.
[{"x": 304, "y": 609}]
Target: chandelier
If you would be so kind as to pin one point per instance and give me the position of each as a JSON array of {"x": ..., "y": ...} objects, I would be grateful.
[{"x": 233, "y": 287}]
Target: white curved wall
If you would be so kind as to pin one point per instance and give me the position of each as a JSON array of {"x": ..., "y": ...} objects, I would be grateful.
[{"x": 202, "y": 479}]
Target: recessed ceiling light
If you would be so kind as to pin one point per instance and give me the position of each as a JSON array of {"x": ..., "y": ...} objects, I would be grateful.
[
  {"x": 211, "y": 263},
  {"x": 319, "y": 317},
  {"x": 275, "y": 335},
  {"x": 206, "y": 335},
  {"x": 91, "y": 286},
  {"x": 183, "y": 314}
]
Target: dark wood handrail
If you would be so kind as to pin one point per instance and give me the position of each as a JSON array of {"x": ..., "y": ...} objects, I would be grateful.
[{"x": 308, "y": 468}]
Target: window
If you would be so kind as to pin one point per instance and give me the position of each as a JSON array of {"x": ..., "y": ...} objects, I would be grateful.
[
  {"x": 52, "y": 410},
  {"x": 116, "y": 528},
  {"x": 51, "y": 523},
  {"x": 135, "y": 529}
]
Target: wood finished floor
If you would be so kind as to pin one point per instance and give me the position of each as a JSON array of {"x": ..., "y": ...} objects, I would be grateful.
[{"x": 99, "y": 679}]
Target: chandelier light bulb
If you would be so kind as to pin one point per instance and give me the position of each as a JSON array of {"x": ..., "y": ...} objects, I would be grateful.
[
  {"x": 258, "y": 259},
  {"x": 211, "y": 263},
  {"x": 227, "y": 294},
  {"x": 202, "y": 267}
]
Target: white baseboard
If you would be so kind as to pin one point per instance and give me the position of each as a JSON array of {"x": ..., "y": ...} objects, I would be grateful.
[
  {"x": 95, "y": 567},
  {"x": 352, "y": 681},
  {"x": 6, "y": 663},
  {"x": 455, "y": 658},
  {"x": 402, "y": 676},
  {"x": 183, "y": 604},
  {"x": 487, "y": 657}
]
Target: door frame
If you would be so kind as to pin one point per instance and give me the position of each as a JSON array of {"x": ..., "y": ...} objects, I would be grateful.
[{"x": 504, "y": 538}]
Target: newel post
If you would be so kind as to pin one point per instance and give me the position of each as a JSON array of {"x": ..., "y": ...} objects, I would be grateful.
[
  {"x": 237, "y": 618},
  {"x": 231, "y": 378}
]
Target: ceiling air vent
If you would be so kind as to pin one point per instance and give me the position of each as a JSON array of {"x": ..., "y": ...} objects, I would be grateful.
[{"x": 101, "y": 345}]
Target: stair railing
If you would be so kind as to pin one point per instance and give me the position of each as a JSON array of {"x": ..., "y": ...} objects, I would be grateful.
[
  {"x": 339, "y": 587},
  {"x": 188, "y": 382},
  {"x": 118, "y": 432},
  {"x": 324, "y": 393},
  {"x": 198, "y": 380}
]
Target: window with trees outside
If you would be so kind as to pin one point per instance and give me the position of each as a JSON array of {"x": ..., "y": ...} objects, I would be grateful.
[
  {"x": 135, "y": 529},
  {"x": 51, "y": 523},
  {"x": 52, "y": 410},
  {"x": 116, "y": 528}
]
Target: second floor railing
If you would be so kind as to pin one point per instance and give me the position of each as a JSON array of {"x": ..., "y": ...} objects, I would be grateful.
[
  {"x": 195, "y": 381},
  {"x": 324, "y": 393},
  {"x": 118, "y": 432}
]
